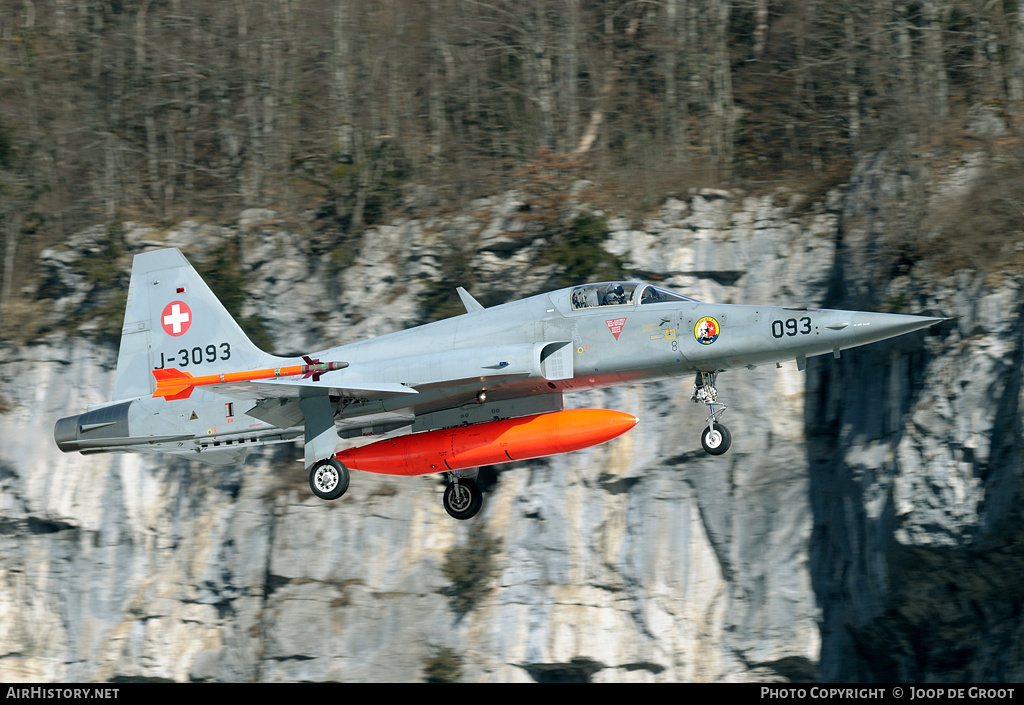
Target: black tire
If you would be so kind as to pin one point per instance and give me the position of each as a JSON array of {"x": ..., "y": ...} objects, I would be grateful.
[
  {"x": 328, "y": 479},
  {"x": 718, "y": 442},
  {"x": 465, "y": 503}
]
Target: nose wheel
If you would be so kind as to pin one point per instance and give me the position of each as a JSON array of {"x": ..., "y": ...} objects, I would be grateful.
[{"x": 715, "y": 438}]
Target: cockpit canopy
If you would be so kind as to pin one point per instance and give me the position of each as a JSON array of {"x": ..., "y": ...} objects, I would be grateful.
[{"x": 620, "y": 294}]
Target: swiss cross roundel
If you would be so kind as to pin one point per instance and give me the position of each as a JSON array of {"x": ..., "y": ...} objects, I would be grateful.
[{"x": 176, "y": 318}]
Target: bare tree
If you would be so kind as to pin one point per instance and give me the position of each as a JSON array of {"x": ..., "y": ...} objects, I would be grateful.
[
  {"x": 935, "y": 82},
  {"x": 161, "y": 109},
  {"x": 1016, "y": 72}
]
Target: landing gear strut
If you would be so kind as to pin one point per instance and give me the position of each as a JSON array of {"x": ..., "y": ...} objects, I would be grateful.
[
  {"x": 328, "y": 479},
  {"x": 716, "y": 438},
  {"x": 462, "y": 498}
]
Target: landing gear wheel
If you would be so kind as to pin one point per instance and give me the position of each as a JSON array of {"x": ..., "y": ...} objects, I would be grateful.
[
  {"x": 328, "y": 479},
  {"x": 462, "y": 499},
  {"x": 716, "y": 442}
]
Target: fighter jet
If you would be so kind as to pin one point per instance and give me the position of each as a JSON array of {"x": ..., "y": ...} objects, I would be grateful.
[{"x": 481, "y": 388}]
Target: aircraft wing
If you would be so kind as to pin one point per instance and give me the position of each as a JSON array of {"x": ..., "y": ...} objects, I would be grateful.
[
  {"x": 287, "y": 404},
  {"x": 491, "y": 378},
  {"x": 277, "y": 383},
  {"x": 275, "y": 389},
  {"x": 440, "y": 389}
]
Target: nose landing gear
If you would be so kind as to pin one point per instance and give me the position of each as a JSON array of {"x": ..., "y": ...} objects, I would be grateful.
[{"x": 715, "y": 439}]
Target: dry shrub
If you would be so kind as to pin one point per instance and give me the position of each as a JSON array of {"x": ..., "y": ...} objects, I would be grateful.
[{"x": 983, "y": 231}]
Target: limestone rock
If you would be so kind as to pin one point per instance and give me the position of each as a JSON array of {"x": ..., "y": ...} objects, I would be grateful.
[{"x": 864, "y": 504}]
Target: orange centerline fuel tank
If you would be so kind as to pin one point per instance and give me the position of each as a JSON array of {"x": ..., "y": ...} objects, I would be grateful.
[{"x": 489, "y": 443}]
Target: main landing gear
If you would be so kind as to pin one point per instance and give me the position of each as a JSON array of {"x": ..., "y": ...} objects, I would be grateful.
[
  {"x": 328, "y": 479},
  {"x": 716, "y": 438},
  {"x": 462, "y": 498}
]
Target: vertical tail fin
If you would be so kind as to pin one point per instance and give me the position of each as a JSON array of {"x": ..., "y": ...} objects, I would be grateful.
[{"x": 174, "y": 320}]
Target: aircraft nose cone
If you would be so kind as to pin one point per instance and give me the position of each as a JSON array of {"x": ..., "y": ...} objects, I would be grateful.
[{"x": 878, "y": 326}]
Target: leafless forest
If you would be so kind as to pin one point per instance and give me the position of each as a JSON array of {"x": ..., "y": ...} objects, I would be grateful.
[{"x": 153, "y": 110}]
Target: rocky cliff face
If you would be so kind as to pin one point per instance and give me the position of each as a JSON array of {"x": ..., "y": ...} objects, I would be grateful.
[
  {"x": 916, "y": 460},
  {"x": 864, "y": 525}
]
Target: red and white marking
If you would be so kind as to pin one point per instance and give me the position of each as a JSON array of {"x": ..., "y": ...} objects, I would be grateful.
[
  {"x": 176, "y": 318},
  {"x": 615, "y": 326}
]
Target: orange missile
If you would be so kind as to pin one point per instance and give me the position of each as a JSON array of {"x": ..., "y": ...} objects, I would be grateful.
[
  {"x": 172, "y": 383},
  {"x": 489, "y": 443}
]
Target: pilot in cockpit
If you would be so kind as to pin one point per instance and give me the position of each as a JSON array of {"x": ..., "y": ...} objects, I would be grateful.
[{"x": 615, "y": 294}]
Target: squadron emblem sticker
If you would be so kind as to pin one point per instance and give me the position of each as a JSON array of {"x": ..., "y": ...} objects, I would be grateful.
[{"x": 706, "y": 331}]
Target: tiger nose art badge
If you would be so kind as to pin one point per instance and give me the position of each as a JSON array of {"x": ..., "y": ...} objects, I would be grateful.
[{"x": 706, "y": 331}]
